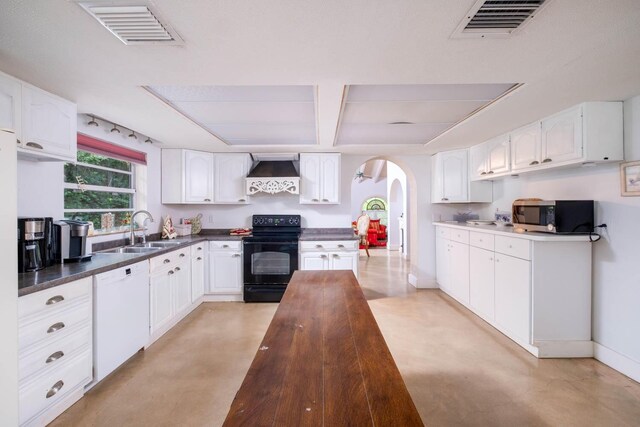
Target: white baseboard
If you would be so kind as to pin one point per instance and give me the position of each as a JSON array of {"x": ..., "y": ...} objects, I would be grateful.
[
  {"x": 617, "y": 361},
  {"x": 564, "y": 349},
  {"x": 222, "y": 297},
  {"x": 421, "y": 284}
]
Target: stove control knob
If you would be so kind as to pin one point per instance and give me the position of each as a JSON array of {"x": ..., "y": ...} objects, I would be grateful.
[{"x": 270, "y": 220}]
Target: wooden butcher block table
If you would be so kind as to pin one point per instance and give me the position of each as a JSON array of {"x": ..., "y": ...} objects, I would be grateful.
[{"x": 323, "y": 362}]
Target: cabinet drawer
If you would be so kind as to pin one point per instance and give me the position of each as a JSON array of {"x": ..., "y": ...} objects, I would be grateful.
[
  {"x": 519, "y": 248},
  {"x": 55, "y": 353},
  {"x": 50, "y": 328},
  {"x": 225, "y": 245},
  {"x": 54, "y": 299},
  {"x": 198, "y": 249},
  {"x": 329, "y": 245},
  {"x": 481, "y": 240},
  {"x": 51, "y": 388},
  {"x": 461, "y": 236},
  {"x": 443, "y": 232},
  {"x": 163, "y": 261}
]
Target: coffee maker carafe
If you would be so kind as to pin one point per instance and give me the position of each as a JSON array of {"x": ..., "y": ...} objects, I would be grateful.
[{"x": 35, "y": 250}]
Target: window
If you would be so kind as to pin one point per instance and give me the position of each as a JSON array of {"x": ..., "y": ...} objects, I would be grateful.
[{"x": 106, "y": 178}]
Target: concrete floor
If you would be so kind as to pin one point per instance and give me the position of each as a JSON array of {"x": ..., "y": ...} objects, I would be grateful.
[{"x": 459, "y": 370}]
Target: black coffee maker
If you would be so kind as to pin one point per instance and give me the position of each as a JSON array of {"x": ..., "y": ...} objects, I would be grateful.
[{"x": 35, "y": 245}]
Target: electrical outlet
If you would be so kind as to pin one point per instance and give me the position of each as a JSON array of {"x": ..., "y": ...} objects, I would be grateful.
[{"x": 210, "y": 219}]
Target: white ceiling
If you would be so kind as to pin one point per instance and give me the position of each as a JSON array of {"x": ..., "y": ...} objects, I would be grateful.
[
  {"x": 572, "y": 51},
  {"x": 409, "y": 114}
]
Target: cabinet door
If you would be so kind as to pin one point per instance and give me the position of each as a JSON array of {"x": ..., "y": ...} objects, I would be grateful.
[
  {"x": 481, "y": 282},
  {"x": 182, "y": 287},
  {"x": 330, "y": 178},
  {"x": 513, "y": 296},
  {"x": 230, "y": 173},
  {"x": 478, "y": 161},
  {"x": 197, "y": 276},
  {"x": 455, "y": 178},
  {"x": 498, "y": 155},
  {"x": 437, "y": 189},
  {"x": 10, "y": 105},
  {"x": 525, "y": 147},
  {"x": 48, "y": 123},
  {"x": 562, "y": 137},
  {"x": 310, "y": 184},
  {"x": 344, "y": 261},
  {"x": 442, "y": 264},
  {"x": 161, "y": 309},
  {"x": 198, "y": 177},
  {"x": 225, "y": 272},
  {"x": 459, "y": 270},
  {"x": 314, "y": 261}
]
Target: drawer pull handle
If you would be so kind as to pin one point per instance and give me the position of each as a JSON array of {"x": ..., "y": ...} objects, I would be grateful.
[
  {"x": 225, "y": 246},
  {"x": 199, "y": 248},
  {"x": 199, "y": 258},
  {"x": 55, "y": 300},
  {"x": 170, "y": 272},
  {"x": 55, "y": 389},
  {"x": 242, "y": 200},
  {"x": 444, "y": 199},
  {"x": 323, "y": 256},
  {"x": 167, "y": 261},
  {"x": 483, "y": 173},
  {"x": 207, "y": 200},
  {"x": 315, "y": 200},
  {"x": 55, "y": 327},
  {"x": 341, "y": 246},
  {"x": 236, "y": 255},
  {"x": 547, "y": 160},
  {"x": 55, "y": 356},
  {"x": 325, "y": 200},
  {"x": 336, "y": 256},
  {"x": 177, "y": 268},
  {"x": 535, "y": 162},
  {"x": 181, "y": 255},
  {"x": 34, "y": 145},
  {"x": 318, "y": 246}
]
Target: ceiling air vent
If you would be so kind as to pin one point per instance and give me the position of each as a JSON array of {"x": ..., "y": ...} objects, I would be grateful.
[
  {"x": 133, "y": 24},
  {"x": 497, "y": 18}
]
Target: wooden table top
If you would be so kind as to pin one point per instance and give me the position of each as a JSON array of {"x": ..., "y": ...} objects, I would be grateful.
[{"x": 323, "y": 362}]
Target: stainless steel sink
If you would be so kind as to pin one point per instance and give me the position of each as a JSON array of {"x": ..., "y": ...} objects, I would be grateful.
[
  {"x": 159, "y": 244},
  {"x": 131, "y": 250}
]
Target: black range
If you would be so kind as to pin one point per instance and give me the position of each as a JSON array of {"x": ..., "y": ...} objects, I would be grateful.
[{"x": 270, "y": 256}]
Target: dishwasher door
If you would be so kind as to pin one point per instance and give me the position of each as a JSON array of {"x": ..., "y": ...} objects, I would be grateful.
[{"x": 120, "y": 316}]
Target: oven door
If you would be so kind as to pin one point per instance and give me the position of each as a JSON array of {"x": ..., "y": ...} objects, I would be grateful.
[{"x": 269, "y": 262}]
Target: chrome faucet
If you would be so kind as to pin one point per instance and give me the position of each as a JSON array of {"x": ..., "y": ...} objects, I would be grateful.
[{"x": 132, "y": 237}]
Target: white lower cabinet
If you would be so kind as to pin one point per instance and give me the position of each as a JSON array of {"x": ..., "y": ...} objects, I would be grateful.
[
  {"x": 225, "y": 268},
  {"x": 198, "y": 270},
  {"x": 513, "y": 295},
  {"x": 329, "y": 255},
  {"x": 534, "y": 288},
  {"x": 481, "y": 282},
  {"x": 170, "y": 291},
  {"x": 55, "y": 350}
]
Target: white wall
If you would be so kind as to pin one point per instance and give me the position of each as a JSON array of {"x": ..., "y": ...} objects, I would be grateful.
[
  {"x": 616, "y": 273},
  {"x": 361, "y": 191},
  {"x": 397, "y": 198}
]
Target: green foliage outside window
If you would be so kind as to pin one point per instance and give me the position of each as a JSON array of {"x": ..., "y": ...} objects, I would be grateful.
[{"x": 80, "y": 198}]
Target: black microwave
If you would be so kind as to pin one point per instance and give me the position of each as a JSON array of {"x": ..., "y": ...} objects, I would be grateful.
[{"x": 554, "y": 216}]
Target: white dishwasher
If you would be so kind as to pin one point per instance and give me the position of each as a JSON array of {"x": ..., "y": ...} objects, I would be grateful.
[{"x": 120, "y": 316}]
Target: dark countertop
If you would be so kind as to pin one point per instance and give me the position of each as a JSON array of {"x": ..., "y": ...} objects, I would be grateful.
[
  {"x": 328, "y": 234},
  {"x": 60, "y": 274}
]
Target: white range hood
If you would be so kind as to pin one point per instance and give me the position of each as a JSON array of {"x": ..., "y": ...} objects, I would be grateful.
[{"x": 273, "y": 174}]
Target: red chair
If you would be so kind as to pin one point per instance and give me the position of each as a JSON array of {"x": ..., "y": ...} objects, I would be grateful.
[{"x": 377, "y": 234}]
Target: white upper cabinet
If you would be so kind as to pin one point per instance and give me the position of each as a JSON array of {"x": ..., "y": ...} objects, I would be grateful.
[
  {"x": 562, "y": 137},
  {"x": 450, "y": 180},
  {"x": 231, "y": 170},
  {"x": 587, "y": 133},
  {"x": 198, "y": 177},
  {"x": 490, "y": 159},
  {"x": 10, "y": 107},
  {"x": 320, "y": 178},
  {"x": 525, "y": 147},
  {"x": 187, "y": 176}
]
